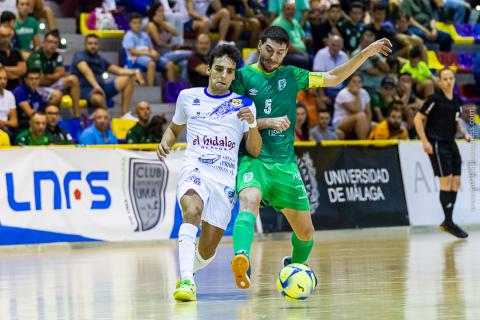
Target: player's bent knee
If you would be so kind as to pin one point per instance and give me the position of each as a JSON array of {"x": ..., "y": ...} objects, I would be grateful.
[
  {"x": 305, "y": 233},
  {"x": 250, "y": 199},
  {"x": 193, "y": 211}
]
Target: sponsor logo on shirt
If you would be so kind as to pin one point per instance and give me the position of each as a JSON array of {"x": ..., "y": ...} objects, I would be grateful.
[
  {"x": 282, "y": 83},
  {"x": 253, "y": 92},
  {"x": 226, "y": 108},
  {"x": 230, "y": 193},
  {"x": 209, "y": 158},
  {"x": 215, "y": 142},
  {"x": 247, "y": 176},
  {"x": 196, "y": 102}
]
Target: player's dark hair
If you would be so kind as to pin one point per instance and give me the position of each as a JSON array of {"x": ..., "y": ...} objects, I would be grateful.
[
  {"x": 357, "y": 4},
  {"x": 444, "y": 69},
  {"x": 91, "y": 35},
  {"x": 379, "y": 6},
  {"x": 134, "y": 16},
  {"x": 152, "y": 10},
  {"x": 276, "y": 34},
  {"x": 7, "y": 16},
  {"x": 415, "y": 53},
  {"x": 54, "y": 34},
  {"x": 224, "y": 50}
]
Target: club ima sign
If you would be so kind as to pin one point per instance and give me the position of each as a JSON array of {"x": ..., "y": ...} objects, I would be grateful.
[{"x": 61, "y": 197}]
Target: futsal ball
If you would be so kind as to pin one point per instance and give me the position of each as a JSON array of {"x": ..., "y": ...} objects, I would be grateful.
[{"x": 296, "y": 282}]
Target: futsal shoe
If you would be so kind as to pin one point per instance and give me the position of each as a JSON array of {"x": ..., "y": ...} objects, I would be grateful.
[
  {"x": 185, "y": 291},
  {"x": 241, "y": 270},
  {"x": 286, "y": 261},
  {"x": 453, "y": 229}
]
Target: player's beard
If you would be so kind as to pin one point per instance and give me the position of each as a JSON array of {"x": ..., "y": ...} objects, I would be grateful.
[{"x": 264, "y": 66}]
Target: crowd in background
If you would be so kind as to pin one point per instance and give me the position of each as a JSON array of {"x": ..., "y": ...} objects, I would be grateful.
[{"x": 174, "y": 38}]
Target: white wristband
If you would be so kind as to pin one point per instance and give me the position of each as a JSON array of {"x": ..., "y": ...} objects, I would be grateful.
[{"x": 253, "y": 125}]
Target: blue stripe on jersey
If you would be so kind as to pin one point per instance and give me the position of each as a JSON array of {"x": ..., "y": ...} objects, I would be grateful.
[{"x": 216, "y": 97}]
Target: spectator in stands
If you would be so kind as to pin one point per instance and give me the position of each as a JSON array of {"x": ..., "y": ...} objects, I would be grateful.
[
  {"x": 390, "y": 128},
  {"x": 327, "y": 59},
  {"x": 199, "y": 22},
  {"x": 142, "y": 131},
  {"x": 297, "y": 50},
  {"x": 423, "y": 23},
  {"x": 99, "y": 132},
  {"x": 198, "y": 62},
  {"x": 404, "y": 41},
  {"x": 381, "y": 100},
  {"x": 140, "y": 51},
  {"x": 352, "y": 114},
  {"x": 313, "y": 101},
  {"x": 380, "y": 29},
  {"x": 54, "y": 81},
  {"x": 302, "y": 132},
  {"x": 90, "y": 67},
  {"x": 41, "y": 11},
  {"x": 55, "y": 134},
  {"x": 321, "y": 32},
  {"x": 35, "y": 135},
  {"x": 323, "y": 131},
  {"x": 375, "y": 68},
  {"x": 8, "y": 107},
  {"x": 29, "y": 100},
  {"x": 10, "y": 58},
  {"x": 467, "y": 120},
  {"x": 352, "y": 29},
  {"x": 275, "y": 8},
  {"x": 458, "y": 7},
  {"x": 176, "y": 14},
  {"x": 4, "y": 139},
  {"x": 26, "y": 29},
  {"x": 243, "y": 14},
  {"x": 421, "y": 74},
  {"x": 476, "y": 71},
  {"x": 406, "y": 94},
  {"x": 161, "y": 33},
  {"x": 9, "y": 19}
]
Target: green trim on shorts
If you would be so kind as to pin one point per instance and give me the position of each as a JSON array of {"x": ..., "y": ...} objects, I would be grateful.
[{"x": 281, "y": 184}]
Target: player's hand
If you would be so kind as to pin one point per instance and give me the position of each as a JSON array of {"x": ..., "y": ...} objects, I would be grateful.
[
  {"x": 383, "y": 46},
  {"x": 427, "y": 147},
  {"x": 280, "y": 123},
  {"x": 162, "y": 151},
  {"x": 468, "y": 137},
  {"x": 246, "y": 114},
  {"x": 99, "y": 90}
]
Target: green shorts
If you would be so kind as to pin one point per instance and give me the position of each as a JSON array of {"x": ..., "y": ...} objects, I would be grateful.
[{"x": 280, "y": 183}]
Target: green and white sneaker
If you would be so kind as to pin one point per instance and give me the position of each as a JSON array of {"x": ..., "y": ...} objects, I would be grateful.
[{"x": 185, "y": 291}]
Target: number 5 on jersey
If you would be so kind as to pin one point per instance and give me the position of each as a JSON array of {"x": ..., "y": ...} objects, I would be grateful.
[{"x": 268, "y": 106}]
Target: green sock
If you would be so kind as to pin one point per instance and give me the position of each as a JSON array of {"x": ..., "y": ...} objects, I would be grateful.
[
  {"x": 243, "y": 232},
  {"x": 301, "y": 249}
]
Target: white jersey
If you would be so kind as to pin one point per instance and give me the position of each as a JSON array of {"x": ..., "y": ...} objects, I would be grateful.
[{"x": 214, "y": 131}]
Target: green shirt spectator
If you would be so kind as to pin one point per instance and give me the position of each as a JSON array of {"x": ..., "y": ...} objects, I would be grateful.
[
  {"x": 421, "y": 11},
  {"x": 38, "y": 60},
  {"x": 146, "y": 130},
  {"x": 26, "y": 138},
  {"x": 26, "y": 31},
  {"x": 421, "y": 72},
  {"x": 57, "y": 135},
  {"x": 294, "y": 30},
  {"x": 141, "y": 134},
  {"x": 275, "y": 7}
]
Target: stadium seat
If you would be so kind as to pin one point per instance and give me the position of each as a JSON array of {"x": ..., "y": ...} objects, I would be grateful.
[
  {"x": 450, "y": 29},
  {"x": 72, "y": 126},
  {"x": 120, "y": 127},
  {"x": 467, "y": 30},
  {"x": 100, "y": 33},
  {"x": 469, "y": 93},
  {"x": 66, "y": 102},
  {"x": 465, "y": 62},
  {"x": 433, "y": 62},
  {"x": 246, "y": 52}
]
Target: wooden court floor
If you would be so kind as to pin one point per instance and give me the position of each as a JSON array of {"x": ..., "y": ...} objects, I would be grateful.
[{"x": 395, "y": 273}]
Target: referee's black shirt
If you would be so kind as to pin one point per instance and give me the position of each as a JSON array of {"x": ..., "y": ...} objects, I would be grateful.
[{"x": 442, "y": 116}]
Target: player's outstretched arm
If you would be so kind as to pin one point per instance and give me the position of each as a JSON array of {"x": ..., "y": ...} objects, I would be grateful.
[
  {"x": 336, "y": 76},
  {"x": 168, "y": 140}
]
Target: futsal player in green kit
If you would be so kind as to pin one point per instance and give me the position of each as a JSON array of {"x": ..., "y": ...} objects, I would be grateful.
[{"x": 274, "y": 176}]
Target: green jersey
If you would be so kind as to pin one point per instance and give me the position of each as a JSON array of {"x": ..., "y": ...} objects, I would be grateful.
[
  {"x": 25, "y": 32},
  {"x": 38, "y": 60},
  {"x": 275, "y": 95},
  {"x": 25, "y": 138},
  {"x": 140, "y": 134}
]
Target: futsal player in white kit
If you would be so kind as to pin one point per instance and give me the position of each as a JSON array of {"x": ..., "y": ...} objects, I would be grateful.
[{"x": 216, "y": 120}]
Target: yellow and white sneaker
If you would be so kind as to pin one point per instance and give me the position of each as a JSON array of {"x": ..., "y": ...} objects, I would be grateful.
[{"x": 185, "y": 291}]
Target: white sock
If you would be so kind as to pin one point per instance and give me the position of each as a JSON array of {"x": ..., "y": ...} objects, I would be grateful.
[
  {"x": 186, "y": 249},
  {"x": 200, "y": 263}
]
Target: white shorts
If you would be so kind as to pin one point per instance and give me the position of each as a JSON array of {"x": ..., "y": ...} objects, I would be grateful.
[{"x": 218, "y": 199}]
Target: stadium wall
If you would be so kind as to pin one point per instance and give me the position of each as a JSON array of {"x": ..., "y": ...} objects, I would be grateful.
[{"x": 59, "y": 194}]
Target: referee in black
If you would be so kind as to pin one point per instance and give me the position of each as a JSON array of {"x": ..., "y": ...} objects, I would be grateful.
[{"x": 437, "y": 123}]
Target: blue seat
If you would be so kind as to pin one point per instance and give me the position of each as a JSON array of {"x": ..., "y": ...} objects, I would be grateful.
[{"x": 72, "y": 126}]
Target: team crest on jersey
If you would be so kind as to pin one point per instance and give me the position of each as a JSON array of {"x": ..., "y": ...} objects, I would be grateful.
[
  {"x": 282, "y": 83},
  {"x": 237, "y": 102},
  {"x": 253, "y": 92},
  {"x": 247, "y": 176},
  {"x": 196, "y": 102}
]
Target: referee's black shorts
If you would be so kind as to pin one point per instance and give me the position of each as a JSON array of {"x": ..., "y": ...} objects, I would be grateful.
[{"x": 446, "y": 158}]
